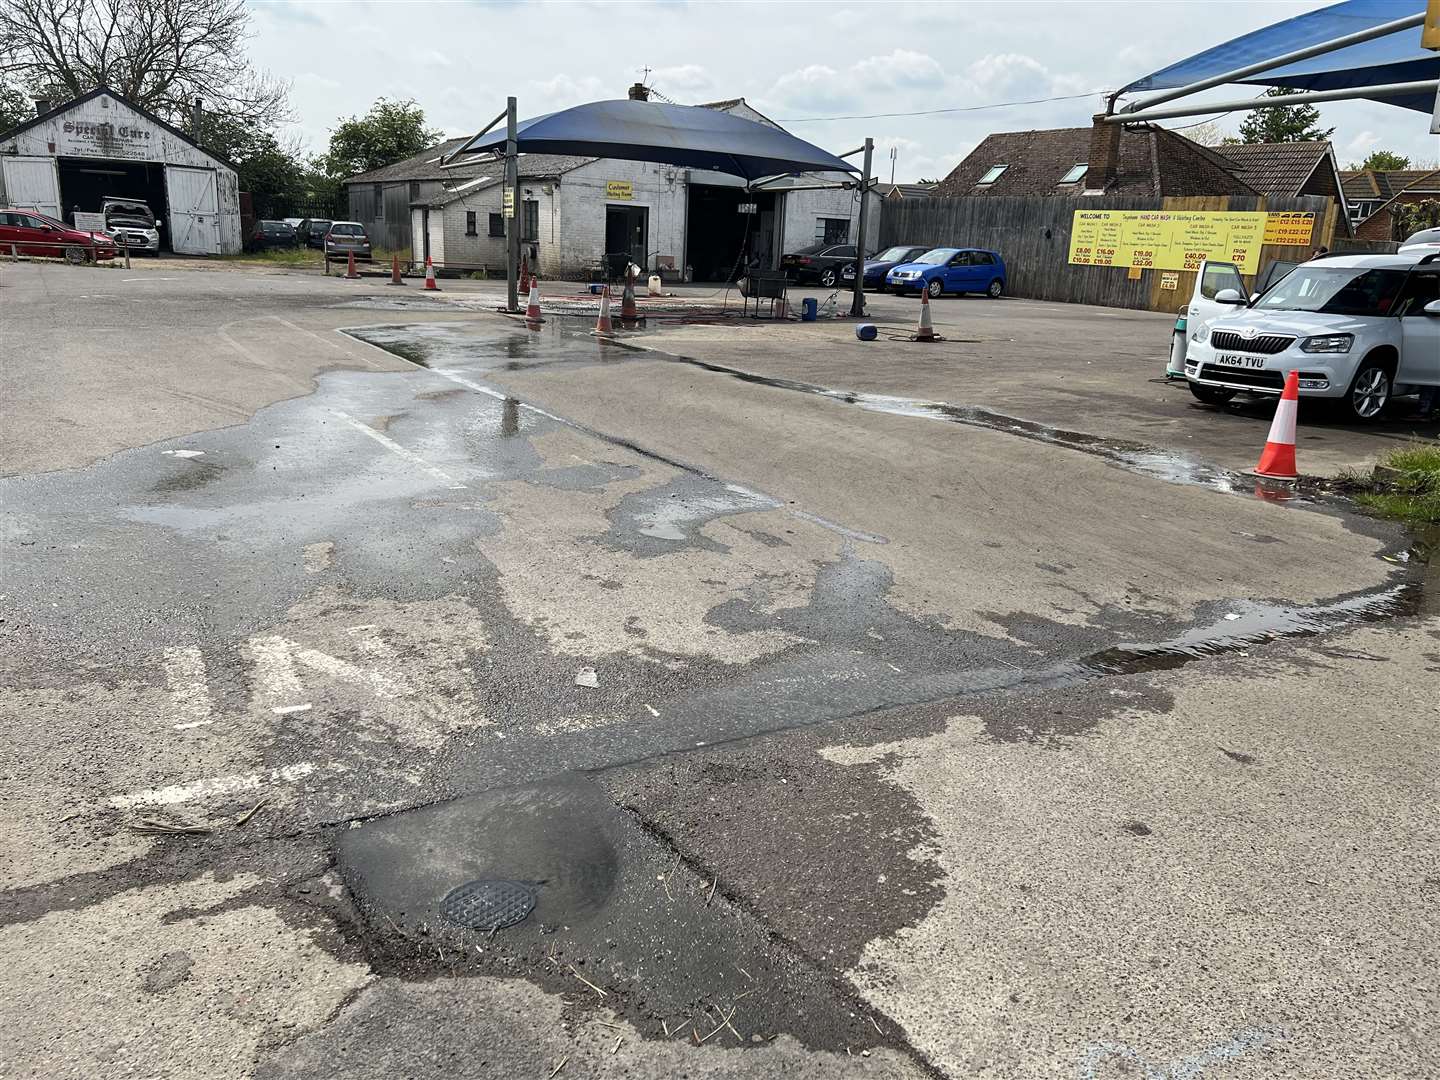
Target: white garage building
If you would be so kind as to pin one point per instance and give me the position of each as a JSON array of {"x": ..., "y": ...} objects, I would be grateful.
[
  {"x": 72, "y": 156},
  {"x": 577, "y": 211}
]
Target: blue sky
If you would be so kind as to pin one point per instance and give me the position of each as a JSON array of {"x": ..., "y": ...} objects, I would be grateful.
[{"x": 791, "y": 60}]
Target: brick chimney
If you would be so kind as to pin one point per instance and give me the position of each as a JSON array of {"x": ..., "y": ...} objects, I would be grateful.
[
  {"x": 1104, "y": 161},
  {"x": 639, "y": 92}
]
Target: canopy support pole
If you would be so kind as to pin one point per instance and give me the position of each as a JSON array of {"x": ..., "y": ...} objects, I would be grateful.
[
  {"x": 1343, "y": 94},
  {"x": 1383, "y": 30},
  {"x": 512, "y": 223},
  {"x": 857, "y": 302}
]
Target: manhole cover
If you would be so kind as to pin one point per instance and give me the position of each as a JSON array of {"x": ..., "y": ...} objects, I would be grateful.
[{"x": 488, "y": 904}]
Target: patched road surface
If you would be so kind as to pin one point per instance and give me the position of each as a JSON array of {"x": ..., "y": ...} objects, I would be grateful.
[{"x": 391, "y": 689}]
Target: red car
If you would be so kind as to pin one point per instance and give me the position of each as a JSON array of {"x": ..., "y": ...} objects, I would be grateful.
[{"x": 35, "y": 234}]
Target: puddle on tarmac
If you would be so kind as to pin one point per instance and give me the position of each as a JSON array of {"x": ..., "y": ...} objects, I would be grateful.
[{"x": 655, "y": 521}]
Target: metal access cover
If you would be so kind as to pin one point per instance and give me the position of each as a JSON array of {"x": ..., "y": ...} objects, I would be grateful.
[{"x": 488, "y": 904}]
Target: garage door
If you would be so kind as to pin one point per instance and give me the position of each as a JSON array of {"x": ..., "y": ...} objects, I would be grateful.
[
  {"x": 31, "y": 183},
  {"x": 194, "y": 218}
]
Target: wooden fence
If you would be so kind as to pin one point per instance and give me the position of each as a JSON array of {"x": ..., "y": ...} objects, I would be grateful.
[{"x": 1033, "y": 236}]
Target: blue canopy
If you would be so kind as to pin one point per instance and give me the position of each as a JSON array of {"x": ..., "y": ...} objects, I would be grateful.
[
  {"x": 686, "y": 135},
  {"x": 1394, "y": 58}
]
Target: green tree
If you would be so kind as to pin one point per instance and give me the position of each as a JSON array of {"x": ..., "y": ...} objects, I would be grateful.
[
  {"x": 15, "y": 106},
  {"x": 1283, "y": 123},
  {"x": 390, "y": 131},
  {"x": 1382, "y": 161}
]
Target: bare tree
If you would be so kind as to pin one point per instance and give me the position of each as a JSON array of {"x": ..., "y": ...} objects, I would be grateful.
[{"x": 161, "y": 54}]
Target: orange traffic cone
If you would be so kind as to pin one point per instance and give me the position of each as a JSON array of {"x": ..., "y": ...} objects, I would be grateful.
[
  {"x": 926, "y": 330},
  {"x": 532, "y": 306},
  {"x": 1278, "y": 459},
  {"x": 395, "y": 270},
  {"x": 350, "y": 274},
  {"x": 430, "y": 275},
  {"x": 603, "y": 324},
  {"x": 628, "y": 310}
]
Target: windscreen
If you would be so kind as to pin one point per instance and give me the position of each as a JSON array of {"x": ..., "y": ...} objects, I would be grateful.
[
  {"x": 937, "y": 256},
  {"x": 1335, "y": 290}
]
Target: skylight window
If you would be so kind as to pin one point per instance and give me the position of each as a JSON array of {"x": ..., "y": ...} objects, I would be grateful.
[
  {"x": 992, "y": 174},
  {"x": 1076, "y": 173}
]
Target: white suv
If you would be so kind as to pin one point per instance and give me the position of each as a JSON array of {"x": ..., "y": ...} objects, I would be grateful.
[{"x": 1358, "y": 328}]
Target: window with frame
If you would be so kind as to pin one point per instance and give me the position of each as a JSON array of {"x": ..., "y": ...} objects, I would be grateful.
[
  {"x": 1076, "y": 173},
  {"x": 414, "y": 190},
  {"x": 497, "y": 224},
  {"x": 378, "y": 190},
  {"x": 829, "y": 230},
  {"x": 531, "y": 222},
  {"x": 1422, "y": 289},
  {"x": 991, "y": 175},
  {"x": 470, "y": 229}
]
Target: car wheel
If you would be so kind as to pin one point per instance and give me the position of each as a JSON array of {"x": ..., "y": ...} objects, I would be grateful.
[
  {"x": 75, "y": 255},
  {"x": 1369, "y": 392},
  {"x": 827, "y": 278},
  {"x": 1211, "y": 395},
  {"x": 935, "y": 288},
  {"x": 996, "y": 289}
]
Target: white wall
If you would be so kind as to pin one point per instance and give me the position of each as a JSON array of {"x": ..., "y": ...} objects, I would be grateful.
[
  {"x": 583, "y": 201},
  {"x": 804, "y": 208},
  {"x": 105, "y": 129}
]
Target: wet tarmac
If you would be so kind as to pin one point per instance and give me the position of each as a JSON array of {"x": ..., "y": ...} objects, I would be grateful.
[{"x": 385, "y": 491}]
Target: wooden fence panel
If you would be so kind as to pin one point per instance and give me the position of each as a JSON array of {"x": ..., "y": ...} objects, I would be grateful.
[{"x": 1033, "y": 235}]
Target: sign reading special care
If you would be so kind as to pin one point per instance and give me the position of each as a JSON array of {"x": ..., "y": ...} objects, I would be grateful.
[
  {"x": 1167, "y": 239},
  {"x": 621, "y": 190},
  {"x": 86, "y": 138}
]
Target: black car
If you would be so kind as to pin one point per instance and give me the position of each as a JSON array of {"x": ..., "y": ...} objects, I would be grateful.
[
  {"x": 819, "y": 263},
  {"x": 272, "y": 234},
  {"x": 311, "y": 231}
]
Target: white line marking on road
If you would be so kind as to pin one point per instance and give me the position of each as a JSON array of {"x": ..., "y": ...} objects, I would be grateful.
[
  {"x": 189, "y": 696},
  {"x": 183, "y": 453},
  {"x": 213, "y": 786},
  {"x": 286, "y": 710},
  {"x": 395, "y": 448},
  {"x": 149, "y": 279},
  {"x": 273, "y": 669}
]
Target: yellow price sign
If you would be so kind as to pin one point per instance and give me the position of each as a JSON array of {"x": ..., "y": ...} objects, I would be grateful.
[
  {"x": 1292, "y": 228},
  {"x": 509, "y": 203},
  {"x": 1166, "y": 239}
]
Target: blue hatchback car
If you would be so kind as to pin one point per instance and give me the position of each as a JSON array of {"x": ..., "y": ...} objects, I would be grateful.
[{"x": 952, "y": 270}]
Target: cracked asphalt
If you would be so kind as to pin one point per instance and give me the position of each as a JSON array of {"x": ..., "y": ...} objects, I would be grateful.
[{"x": 840, "y": 717}]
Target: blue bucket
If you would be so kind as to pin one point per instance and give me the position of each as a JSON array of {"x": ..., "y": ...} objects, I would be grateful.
[
  {"x": 866, "y": 331},
  {"x": 809, "y": 308}
]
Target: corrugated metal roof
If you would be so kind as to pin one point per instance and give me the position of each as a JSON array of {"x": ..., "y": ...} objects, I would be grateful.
[{"x": 532, "y": 167}]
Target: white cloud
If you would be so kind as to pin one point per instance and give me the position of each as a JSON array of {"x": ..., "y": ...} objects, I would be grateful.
[
  {"x": 684, "y": 80},
  {"x": 901, "y": 69},
  {"x": 816, "y": 87},
  {"x": 1008, "y": 76},
  {"x": 1358, "y": 148}
]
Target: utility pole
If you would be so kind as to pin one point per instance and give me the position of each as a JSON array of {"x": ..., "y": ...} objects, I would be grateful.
[
  {"x": 857, "y": 304},
  {"x": 894, "y": 153},
  {"x": 511, "y": 199}
]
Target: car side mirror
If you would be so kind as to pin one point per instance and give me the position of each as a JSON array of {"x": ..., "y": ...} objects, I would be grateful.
[
  {"x": 1433, "y": 309},
  {"x": 1229, "y": 296}
]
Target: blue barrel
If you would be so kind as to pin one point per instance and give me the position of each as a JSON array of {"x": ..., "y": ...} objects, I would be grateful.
[
  {"x": 866, "y": 331},
  {"x": 809, "y": 308}
]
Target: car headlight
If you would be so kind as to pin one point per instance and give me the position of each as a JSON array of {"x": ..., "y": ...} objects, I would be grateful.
[
  {"x": 1201, "y": 333},
  {"x": 1328, "y": 343}
]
